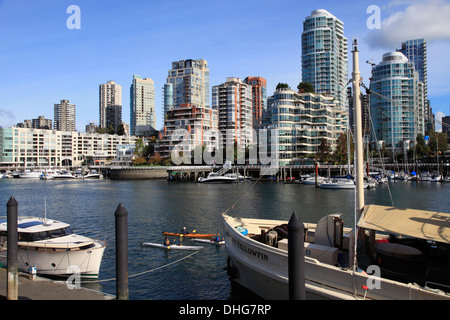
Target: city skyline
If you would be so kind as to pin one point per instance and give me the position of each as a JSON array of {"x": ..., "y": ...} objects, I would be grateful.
[{"x": 61, "y": 63}]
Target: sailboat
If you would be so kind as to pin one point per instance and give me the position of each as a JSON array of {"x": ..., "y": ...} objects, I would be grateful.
[{"x": 406, "y": 259}]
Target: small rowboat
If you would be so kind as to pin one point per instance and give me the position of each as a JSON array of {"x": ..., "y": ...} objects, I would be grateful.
[
  {"x": 189, "y": 235},
  {"x": 171, "y": 247},
  {"x": 209, "y": 241}
]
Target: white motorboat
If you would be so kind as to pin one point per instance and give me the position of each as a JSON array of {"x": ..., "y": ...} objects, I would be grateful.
[
  {"x": 425, "y": 176},
  {"x": 215, "y": 177},
  {"x": 436, "y": 177},
  {"x": 407, "y": 260},
  {"x": 6, "y": 175},
  {"x": 30, "y": 174},
  {"x": 338, "y": 183},
  {"x": 48, "y": 174},
  {"x": 64, "y": 175},
  {"x": 236, "y": 176},
  {"x": 53, "y": 249},
  {"x": 93, "y": 174},
  {"x": 311, "y": 180}
]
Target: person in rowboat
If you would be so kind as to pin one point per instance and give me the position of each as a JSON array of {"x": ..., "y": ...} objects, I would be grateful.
[
  {"x": 166, "y": 241},
  {"x": 183, "y": 231}
]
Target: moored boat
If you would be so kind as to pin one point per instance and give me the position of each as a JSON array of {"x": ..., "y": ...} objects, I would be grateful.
[
  {"x": 407, "y": 260},
  {"x": 54, "y": 249},
  {"x": 189, "y": 235},
  {"x": 210, "y": 241},
  {"x": 171, "y": 247}
]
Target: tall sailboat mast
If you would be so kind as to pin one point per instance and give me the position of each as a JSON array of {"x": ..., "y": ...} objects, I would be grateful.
[{"x": 359, "y": 172}]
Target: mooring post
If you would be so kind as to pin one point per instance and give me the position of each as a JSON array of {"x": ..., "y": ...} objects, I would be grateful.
[
  {"x": 317, "y": 175},
  {"x": 121, "y": 219},
  {"x": 296, "y": 258},
  {"x": 12, "y": 249}
]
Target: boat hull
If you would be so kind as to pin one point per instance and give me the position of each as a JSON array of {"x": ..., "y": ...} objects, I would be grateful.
[
  {"x": 62, "y": 263},
  {"x": 263, "y": 270}
]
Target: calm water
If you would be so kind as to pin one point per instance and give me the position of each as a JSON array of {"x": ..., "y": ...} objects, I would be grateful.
[{"x": 157, "y": 206}]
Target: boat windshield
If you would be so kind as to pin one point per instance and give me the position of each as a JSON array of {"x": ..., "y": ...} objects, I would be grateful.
[{"x": 45, "y": 235}]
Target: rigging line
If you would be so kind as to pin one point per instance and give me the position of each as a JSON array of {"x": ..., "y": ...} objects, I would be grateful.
[
  {"x": 398, "y": 104},
  {"x": 248, "y": 189},
  {"x": 379, "y": 155},
  {"x": 147, "y": 271}
]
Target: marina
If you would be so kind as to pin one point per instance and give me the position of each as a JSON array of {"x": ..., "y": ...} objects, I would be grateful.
[{"x": 157, "y": 206}]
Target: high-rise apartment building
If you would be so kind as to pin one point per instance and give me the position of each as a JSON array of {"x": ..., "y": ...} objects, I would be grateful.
[
  {"x": 233, "y": 102},
  {"x": 300, "y": 121},
  {"x": 187, "y": 105},
  {"x": 324, "y": 55},
  {"x": 396, "y": 102},
  {"x": 110, "y": 95},
  {"x": 190, "y": 84},
  {"x": 142, "y": 105},
  {"x": 41, "y": 123},
  {"x": 64, "y": 116},
  {"x": 259, "y": 98},
  {"x": 416, "y": 52}
]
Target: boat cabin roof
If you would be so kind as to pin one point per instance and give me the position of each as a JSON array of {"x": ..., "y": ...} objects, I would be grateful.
[
  {"x": 422, "y": 224},
  {"x": 33, "y": 224}
]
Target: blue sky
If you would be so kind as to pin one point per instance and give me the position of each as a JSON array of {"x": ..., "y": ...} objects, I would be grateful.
[{"x": 42, "y": 61}]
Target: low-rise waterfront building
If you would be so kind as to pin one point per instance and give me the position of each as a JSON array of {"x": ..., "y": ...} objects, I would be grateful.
[{"x": 25, "y": 147}]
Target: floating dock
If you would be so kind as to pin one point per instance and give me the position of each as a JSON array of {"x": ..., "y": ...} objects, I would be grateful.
[{"x": 46, "y": 289}]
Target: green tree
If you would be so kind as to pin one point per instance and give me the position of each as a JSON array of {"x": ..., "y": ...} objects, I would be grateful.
[
  {"x": 282, "y": 86},
  {"x": 110, "y": 130},
  {"x": 120, "y": 130},
  {"x": 422, "y": 149},
  {"x": 305, "y": 86},
  {"x": 437, "y": 142},
  {"x": 323, "y": 151},
  {"x": 340, "y": 155},
  {"x": 139, "y": 147}
]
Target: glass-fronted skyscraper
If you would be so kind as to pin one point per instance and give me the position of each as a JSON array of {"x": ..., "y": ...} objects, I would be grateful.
[
  {"x": 142, "y": 105},
  {"x": 324, "y": 55},
  {"x": 416, "y": 52},
  {"x": 396, "y": 102}
]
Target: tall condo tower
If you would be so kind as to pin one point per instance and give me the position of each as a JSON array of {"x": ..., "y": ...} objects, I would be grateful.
[
  {"x": 416, "y": 52},
  {"x": 64, "y": 116},
  {"x": 324, "y": 55},
  {"x": 110, "y": 96},
  {"x": 190, "y": 84},
  {"x": 259, "y": 98},
  {"x": 397, "y": 103},
  {"x": 142, "y": 105},
  {"x": 233, "y": 102}
]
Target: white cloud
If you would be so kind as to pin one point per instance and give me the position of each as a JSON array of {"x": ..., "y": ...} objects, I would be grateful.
[
  {"x": 425, "y": 19},
  {"x": 6, "y": 118}
]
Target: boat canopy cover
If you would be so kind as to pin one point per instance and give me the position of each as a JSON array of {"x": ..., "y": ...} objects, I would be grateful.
[{"x": 429, "y": 225}]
